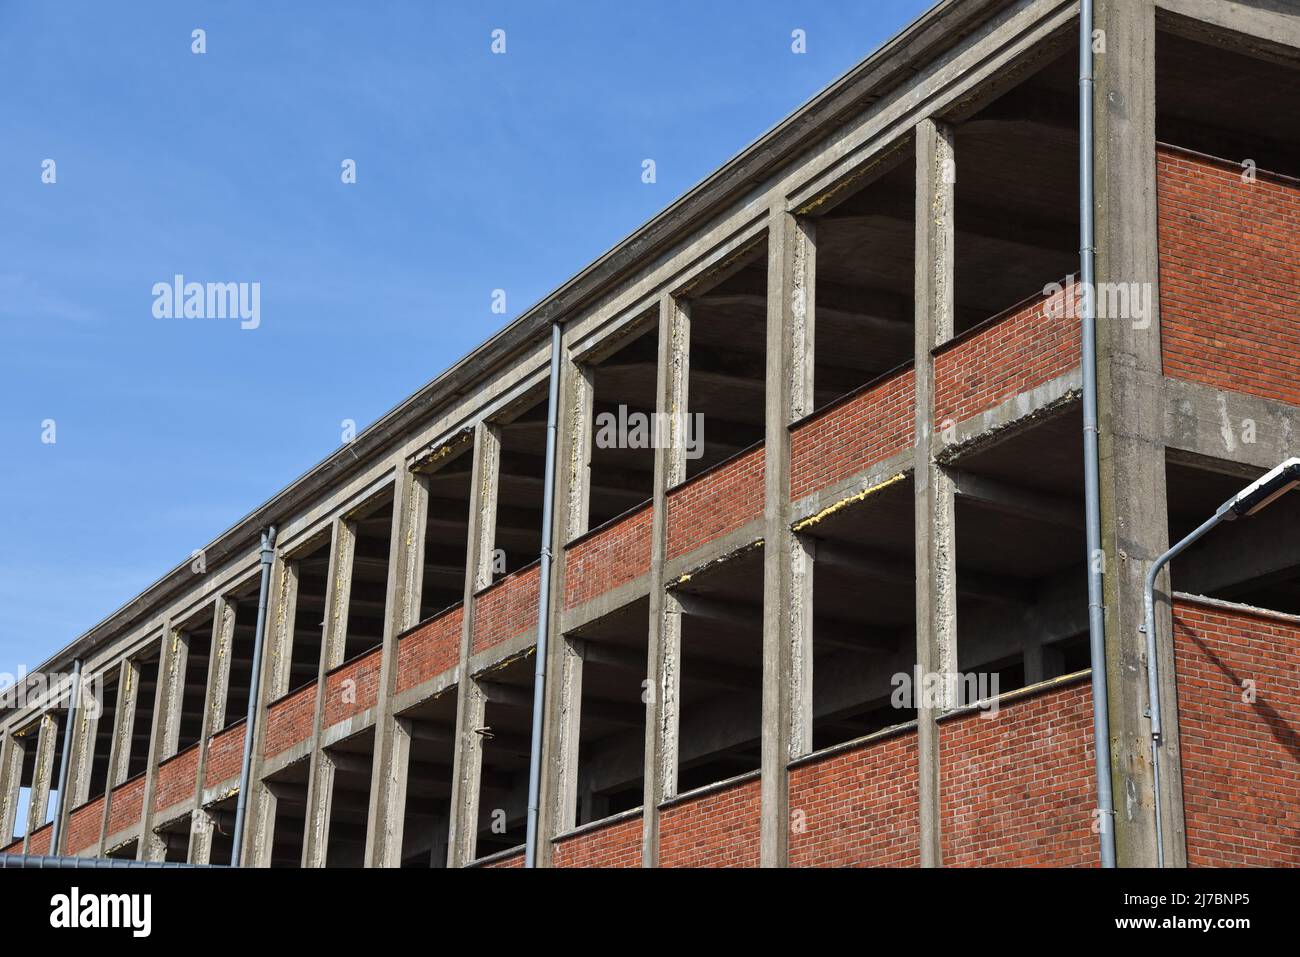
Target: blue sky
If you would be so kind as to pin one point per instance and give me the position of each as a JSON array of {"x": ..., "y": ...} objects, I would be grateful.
[{"x": 475, "y": 172}]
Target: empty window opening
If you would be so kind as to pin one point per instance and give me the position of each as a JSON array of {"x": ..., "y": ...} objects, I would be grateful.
[
  {"x": 446, "y": 531},
  {"x": 174, "y": 837},
  {"x": 221, "y": 816},
  {"x": 507, "y": 726},
  {"x": 1017, "y": 194},
  {"x": 517, "y": 540},
  {"x": 1021, "y": 574},
  {"x": 622, "y": 455},
  {"x": 863, "y": 308},
  {"x": 369, "y": 591},
  {"x": 608, "y": 662},
  {"x": 352, "y": 761},
  {"x": 197, "y": 640},
  {"x": 728, "y": 362},
  {"x": 128, "y": 851},
  {"x": 1252, "y": 561},
  {"x": 432, "y": 729},
  {"x": 864, "y": 614},
  {"x": 721, "y": 672},
  {"x": 288, "y": 789},
  {"x": 142, "y": 726},
  {"x": 102, "y": 742},
  {"x": 312, "y": 568}
]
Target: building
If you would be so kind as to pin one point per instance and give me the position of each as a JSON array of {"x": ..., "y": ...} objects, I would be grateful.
[{"x": 868, "y": 310}]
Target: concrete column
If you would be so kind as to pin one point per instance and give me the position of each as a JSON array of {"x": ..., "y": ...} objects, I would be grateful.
[
  {"x": 320, "y": 781},
  {"x": 277, "y": 658},
  {"x": 164, "y": 735},
  {"x": 128, "y": 687},
  {"x": 568, "y": 721},
  {"x": 89, "y": 709},
  {"x": 936, "y": 600},
  {"x": 790, "y": 284},
  {"x": 664, "y": 637},
  {"x": 468, "y": 758},
  {"x": 38, "y": 798},
  {"x": 572, "y": 496},
  {"x": 1131, "y": 437},
  {"x": 214, "y": 716},
  {"x": 387, "y": 810},
  {"x": 280, "y": 626},
  {"x": 13, "y": 749}
]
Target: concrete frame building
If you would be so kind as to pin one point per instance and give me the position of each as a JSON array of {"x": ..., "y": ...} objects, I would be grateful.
[{"x": 859, "y": 309}]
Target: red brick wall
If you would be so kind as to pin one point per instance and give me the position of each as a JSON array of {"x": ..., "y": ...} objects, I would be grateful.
[
  {"x": 176, "y": 779},
  {"x": 514, "y": 860},
  {"x": 614, "y": 845},
  {"x": 715, "y": 503},
  {"x": 857, "y": 808},
  {"x": 83, "y": 826},
  {"x": 1018, "y": 789},
  {"x": 1022, "y": 349},
  {"x": 345, "y": 700},
  {"x": 718, "y": 829},
  {"x": 614, "y": 556},
  {"x": 1241, "y": 760},
  {"x": 848, "y": 437},
  {"x": 15, "y": 847},
  {"x": 430, "y": 650},
  {"x": 127, "y": 804},
  {"x": 225, "y": 756},
  {"x": 289, "y": 720},
  {"x": 1229, "y": 277},
  {"x": 507, "y": 609},
  {"x": 40, "y": 842}
]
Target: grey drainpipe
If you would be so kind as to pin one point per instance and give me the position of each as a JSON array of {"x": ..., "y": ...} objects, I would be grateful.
[
  {"x": 268, "y": 555},
  {"x": 543, "y": 608},
  {"x": 1091, "y": 470},
  {"x": 65, "y": 760}
]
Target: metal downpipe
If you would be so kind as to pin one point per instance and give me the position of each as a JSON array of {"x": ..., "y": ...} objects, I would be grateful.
[
  {"x": 1091, "y": 467},
  {"x": 259, "y": 635},
  {"x": 65, "y": 762},
  {"x": 543, "y": 609}
]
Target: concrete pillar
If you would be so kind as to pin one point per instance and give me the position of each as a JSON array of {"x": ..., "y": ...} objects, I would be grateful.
[
  {"x": 38, "y": 798},
  {"x": 280, "y": 626},
  {"x": 13, "y": 749},
  {"x": 1131, "y": 429},
  {"x": 320, "y": 781},
  {"x": 664, "y": 638},
  {"x": 164, "y": 735},
  {"x": 568, "y": 726},
  {"x": 790, "y": 287},
  {"x": 936, "y": 601},
  {"x": 119, "y": 752},
  {"x": 387, "y": 810},
  {"x": 89, "y": 710},
  {"x": 468, "y": 757},
  {"x": 572, "y": 497},
  {"x": 223, "y": 642}
]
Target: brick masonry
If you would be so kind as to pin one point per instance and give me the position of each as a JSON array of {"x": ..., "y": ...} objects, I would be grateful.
[
  {"x": 225, "y": 756},
  {"x": 1013, "y": 353},
  {"x": 715, "y": 503},
  {"x": 352, "y": 688},
  {"x": 716, "y": 829},
  {"x": 1018, "y": 789},
  {"x": 849, "y": 436},
  {"x": 1241, "y": 759},
  {"x": 176, "y": 779},
  {"x": 507, "y": 609},
  {"x": 607, "y": 558},
  {"x": 128, "y": 802},
  {"x": 431, "y": 649},
  {"x": 613, "y": 845},
  {"x": 289, "y": 720},
  {"x": 857, "y": 808},
  {"x": 1229, "y": 276},
  {"x": 83, "y": 826}
]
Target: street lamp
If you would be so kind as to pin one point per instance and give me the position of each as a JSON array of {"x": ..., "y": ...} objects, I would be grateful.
[{"x": 1253, "y": 498}]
